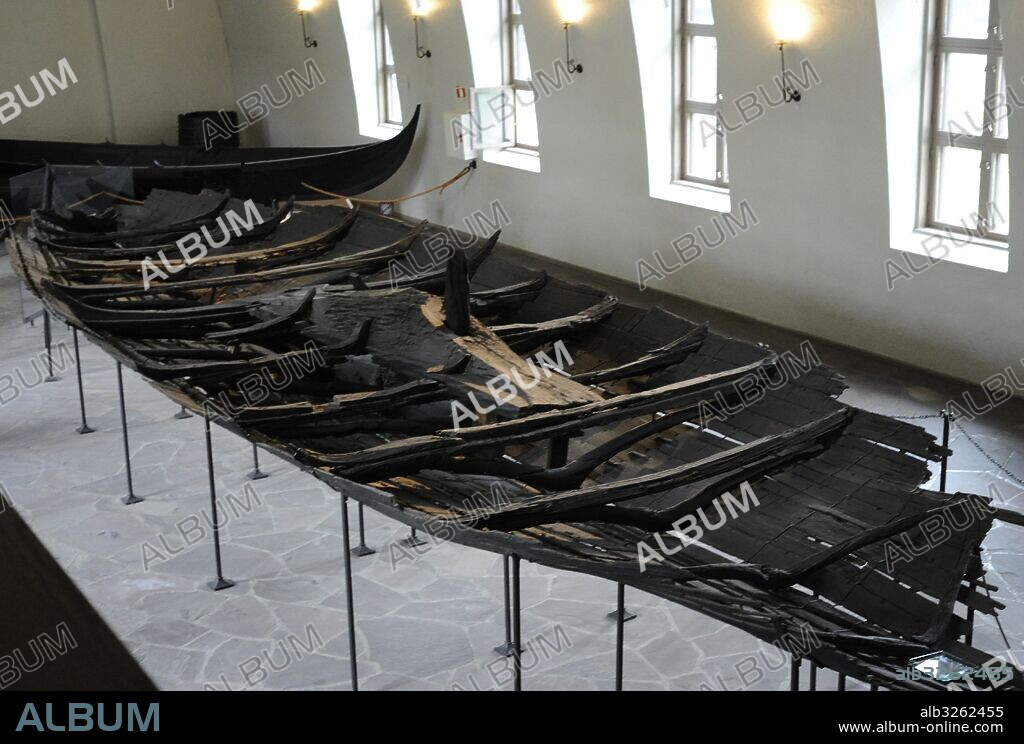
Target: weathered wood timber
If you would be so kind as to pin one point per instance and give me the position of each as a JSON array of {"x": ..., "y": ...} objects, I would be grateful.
[{"x": 435, "y": 400}]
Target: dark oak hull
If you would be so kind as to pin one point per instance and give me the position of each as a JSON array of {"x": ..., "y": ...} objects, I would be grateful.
[
  {"x": 263, "y": 174},
  {"x": 836, "y": 484}
]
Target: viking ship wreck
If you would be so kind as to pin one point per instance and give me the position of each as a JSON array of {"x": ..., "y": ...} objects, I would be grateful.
[
  {"x": 598, "y": 429},
  {"x": 264, "y": 174}
]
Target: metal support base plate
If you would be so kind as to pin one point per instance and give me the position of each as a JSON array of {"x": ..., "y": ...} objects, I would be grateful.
[
  {"x": 219, "y": 585},
  {"x": 614, "y": 616}
]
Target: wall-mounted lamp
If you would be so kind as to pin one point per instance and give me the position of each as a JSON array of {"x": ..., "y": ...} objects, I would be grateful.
[
  {"x": 419, "y": 11},
  {"x": 571, "y": 11},
  {"x": 305, "y": 6},
  {"x": 791, "y": 94},
  {"x": 574, "y": 66},
  {"x": 791, "y": 22}
]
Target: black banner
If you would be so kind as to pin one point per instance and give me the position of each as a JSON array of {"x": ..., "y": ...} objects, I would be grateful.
[{"x": 199, "y": 714}]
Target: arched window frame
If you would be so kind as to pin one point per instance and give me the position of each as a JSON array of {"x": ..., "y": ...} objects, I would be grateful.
[
  {"x": 485, "y": 30},
  {"x": 953, "y": 132},
  {"x": 655, "y": 30},
  {"x": 389, "y": 99},
  {"x": 695, "y": 119},
  {"x": 362, "y": 25},
  {"x": 527, "y": 133}
]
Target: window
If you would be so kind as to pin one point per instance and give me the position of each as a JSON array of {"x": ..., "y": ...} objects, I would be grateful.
[
  {"x": 658, "y": 40},
  {"x": 519, "y": 75},
  {"x": 389, "y": 101},
  {"x": 700, "y": 144},
  {"x": 375, "y": 79},
  {"x": 968, "y": 170},
  {"x": 497, "y": 48}
]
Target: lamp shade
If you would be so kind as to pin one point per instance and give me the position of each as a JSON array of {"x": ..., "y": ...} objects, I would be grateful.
[
  {"x": 421, "y": 8},
  {"x": 790, "y": 20},
  {"x": 572, "y": 11}
]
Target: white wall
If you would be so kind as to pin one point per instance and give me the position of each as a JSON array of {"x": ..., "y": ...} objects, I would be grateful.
[
  {"x": 163, "y": 63},
  {"x": 265, "y": 40},
  {"x": 35, "y": 35},
  {"x": 138, "y": 65}
]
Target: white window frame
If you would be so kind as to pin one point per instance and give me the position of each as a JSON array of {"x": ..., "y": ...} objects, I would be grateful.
[
  {"x": 359, "y": 24},
  {"x": 684, "y": 106},
  {"x": 511, "y": 22},
  {"x": 655, "y": 36},
  {"x": 385, "y": 72},
  {"x": 484, "y": 21},
  {"x": 937, "y": 135},
  {"x": 486, "y": 135}
]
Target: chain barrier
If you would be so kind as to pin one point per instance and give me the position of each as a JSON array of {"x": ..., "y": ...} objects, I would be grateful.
[
  {"x": 996, "y": 464},
  {"x": 970, "y": 438}
]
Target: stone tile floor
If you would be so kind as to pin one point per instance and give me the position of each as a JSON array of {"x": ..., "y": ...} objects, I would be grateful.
[{"x": 424, "y": 624}]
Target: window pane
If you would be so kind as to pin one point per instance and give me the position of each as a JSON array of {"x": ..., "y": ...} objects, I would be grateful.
[
  {"x": 959, "y": 188},
  {"x": 527, "y": 134},
  {"x": 394, "y": 112},
  {"x": 521, "y": 56},
  {"x": 700, "y": 12},
  {"x": 702, "y": 147},
  {"x": 725, "y": 164},
  {"x": 967, "y": 19},
  {"x": 963, "y": 94},
  {"x": 999, "y": 109},
  {"x": 1000, "y": 213},
  {"x": 389, "y": 57},
  {"x": 491, "y": 114},
  {"x": 703, "y": 69}
]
